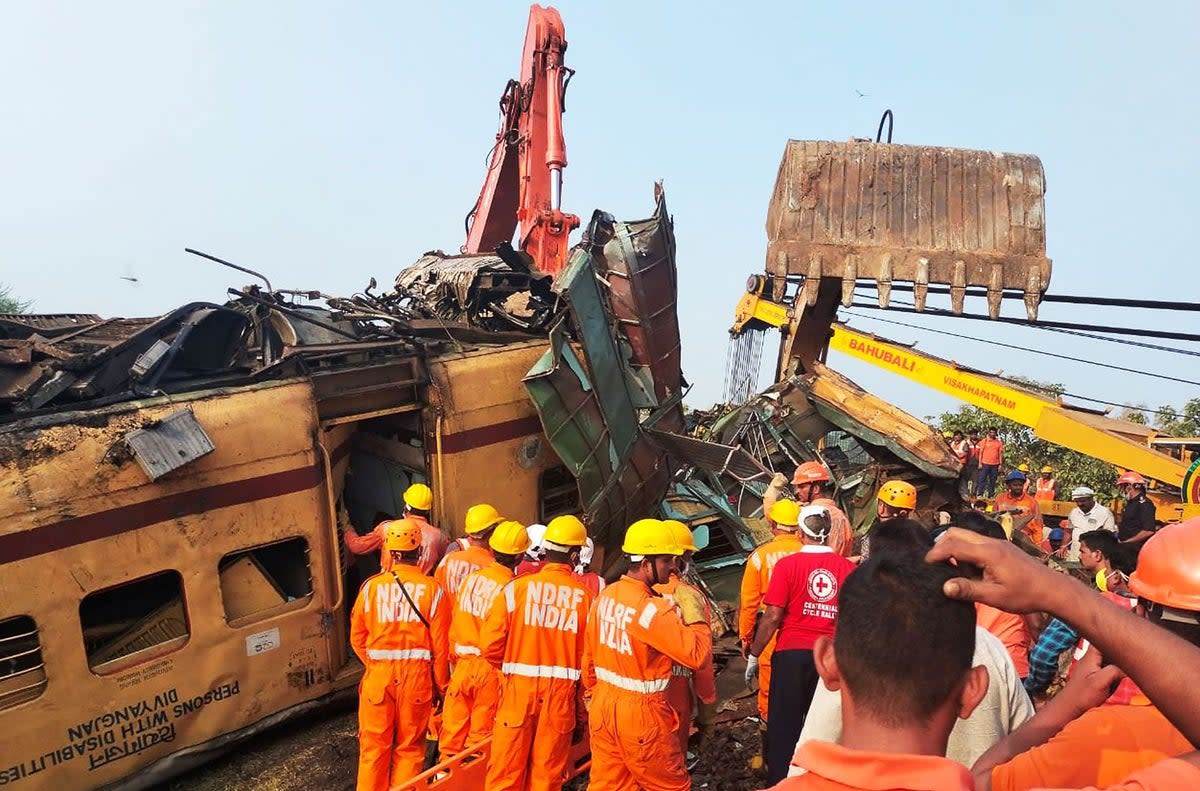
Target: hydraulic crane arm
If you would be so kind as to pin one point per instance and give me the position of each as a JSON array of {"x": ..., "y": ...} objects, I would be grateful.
[{"x": 523, "y": 188}]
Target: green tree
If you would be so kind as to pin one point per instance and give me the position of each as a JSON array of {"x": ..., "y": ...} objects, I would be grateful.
[
  {"x": 1022, "y": 446},
  {"x": 1183, "y": 422},
  {"x": 10, "y": 304}
]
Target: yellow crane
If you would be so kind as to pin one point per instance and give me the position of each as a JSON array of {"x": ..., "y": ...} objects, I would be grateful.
[{"x": 1121, "y": 443}]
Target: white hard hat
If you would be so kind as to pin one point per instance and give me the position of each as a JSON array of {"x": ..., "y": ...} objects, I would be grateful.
[
  {"x": 586, "y": 552},
  {"x": 537, "y": 534},
  {"x": 1080, "y": 492},
  {"x": 813, "y": 510}
]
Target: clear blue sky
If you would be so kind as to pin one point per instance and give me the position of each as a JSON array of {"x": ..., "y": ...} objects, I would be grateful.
[{"x": 328, "y": 143}]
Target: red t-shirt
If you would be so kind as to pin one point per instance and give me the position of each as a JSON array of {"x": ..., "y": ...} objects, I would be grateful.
[{"x": 806, "y": 584}]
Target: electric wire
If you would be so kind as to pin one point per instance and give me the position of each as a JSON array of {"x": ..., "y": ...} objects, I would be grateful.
[{"x": 1031, "y": 351}]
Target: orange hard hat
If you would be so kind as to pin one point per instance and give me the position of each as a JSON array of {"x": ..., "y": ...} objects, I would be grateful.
[
  {"x": 898, "y": 494},
  {"x": 810, "y": 472},
  {"x": 1131, "y": 477},
  {"x": 401, "y": 535},
  {"x": 1168, "y": 567}
]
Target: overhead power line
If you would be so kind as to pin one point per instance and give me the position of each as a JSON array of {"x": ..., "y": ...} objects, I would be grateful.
[{"x": 1109, "y": 366}]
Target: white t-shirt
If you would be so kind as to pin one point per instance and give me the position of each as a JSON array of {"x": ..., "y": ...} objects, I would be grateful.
[
  {"x": 1099, "y": 518},
  {"x": 1004, "y": 708}
]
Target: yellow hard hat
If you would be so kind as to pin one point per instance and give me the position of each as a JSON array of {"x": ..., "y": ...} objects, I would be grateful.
[
  {"x": 401, "y": 535},
  {"x": 1023, "y": 467},
  {"x": 898, "y": 494},
  {"x": 481, "y": 517},
  {"x": 509, "y": 538},
  {"x": 683, "y": 535},
  {"x": 1047, "y": 468},
  {"x": 565, "y": 531},
  {"x": 785, "y": 513},
  {"x": 650, "y": 537},
  {"x": 419, "y": 496}
]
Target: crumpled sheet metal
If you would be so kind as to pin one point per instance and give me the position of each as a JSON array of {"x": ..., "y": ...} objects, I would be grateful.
[
  {"x": 469, "y": 289},
  {"x": 636, "y": 261},
  {"x": 922, "y": 214},
  {"x": 876, "y": 422},
  {"x": 712, "y": 456},
  {"x": 615, "y": 487}
]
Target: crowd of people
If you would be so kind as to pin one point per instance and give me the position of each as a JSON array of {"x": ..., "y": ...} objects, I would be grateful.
[{"x": 926, "y": 654}]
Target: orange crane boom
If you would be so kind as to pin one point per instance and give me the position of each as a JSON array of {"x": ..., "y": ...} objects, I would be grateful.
[{"x": 523, "y": 188}]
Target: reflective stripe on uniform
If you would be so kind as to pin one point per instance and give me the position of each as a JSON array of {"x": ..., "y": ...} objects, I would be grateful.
[
  {"x": 632, "y": 684},
  {"x": 540, "y": 671},
  {"x": 437, "y": 597},
  {"x": 648, "y": 613},
  {"x": 680, "y": 670},
  {"x": 382, "y": 654},
  {"x": 510, "y": 597},
  {"x": 466, "y": 650}
]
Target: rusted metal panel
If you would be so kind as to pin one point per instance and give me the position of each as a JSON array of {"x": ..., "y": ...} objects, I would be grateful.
[
  {"x": 636, "y": 260},
  {"x": 883, "y": 212},
  {"x": 712, "y": 456}
]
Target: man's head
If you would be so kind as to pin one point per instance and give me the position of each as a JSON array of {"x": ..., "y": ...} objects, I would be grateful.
[
  {"x": 402, "y": 539},
  {"x": 977, "y": 522},
  {"x": 418, "y": 500},
  {"x": 1047, "y": 472},
  {"x": 565, "y": 536},
  {"x": 1131, "y": 485},
  {"x": 957, "y": 437},
  {"x": 479, "y": 523},
  {"x": 973, "y": 436},
  {"x": 1084, "y": 498},
  {"x": 810, "y": 481},
  {"x": 896, "y": 499},
  {"x": 898, "y": 535},
  {"x": 903, "y": 651},
  {"x": 815, "y": 524},
  {"x": 509, "y": 541},
  {"x": 1015, "y": 481},
  {"x": 652, "y": 550},
  {"x": 1167, "y": 579},
  {"x": 784, "y": 516},
  {"x": 991, "y": 433},
  {"x": 685, "y": 539},
  {"x": 1097, "y": 548}
]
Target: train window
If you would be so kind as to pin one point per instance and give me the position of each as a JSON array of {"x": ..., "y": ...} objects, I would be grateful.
[
  {"x": 263, "y": 581},
  {"x": 557, "y": 493},
  {"x": 134, "y": 621},
  {"x": 22, "y": 674}
]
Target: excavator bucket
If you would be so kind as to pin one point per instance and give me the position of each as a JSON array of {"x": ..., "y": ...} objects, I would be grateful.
[{"x": 862, "y": 211}]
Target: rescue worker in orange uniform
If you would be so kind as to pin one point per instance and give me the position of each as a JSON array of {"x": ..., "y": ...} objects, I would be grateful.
[
  {"x": 634, "y": 638},
  {"x": 1046, "y": 488},
  {"x": 474, "y": 692},
  {"x": 534, "y": 634},
  {"x": 784, "y": 517},
  {"x": 418, "y": 499},
  {"x": 693, "y": 607},
  {"x": 480, "y": 521},
  {"x": 399, "y": 629},
  {"x": 813, "y": 485},
  {"x": 1023, "y": 507}
]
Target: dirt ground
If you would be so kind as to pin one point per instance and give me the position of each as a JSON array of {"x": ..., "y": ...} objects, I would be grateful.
[{"x": 320, "y": 753}]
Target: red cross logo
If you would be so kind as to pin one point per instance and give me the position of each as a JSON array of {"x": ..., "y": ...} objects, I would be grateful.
[{"x": 822, "y": 585}]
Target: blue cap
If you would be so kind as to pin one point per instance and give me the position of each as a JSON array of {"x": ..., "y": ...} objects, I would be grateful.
[
  {"x": 1016, "y": 475},
  {"x": 1056, "y": 534}
]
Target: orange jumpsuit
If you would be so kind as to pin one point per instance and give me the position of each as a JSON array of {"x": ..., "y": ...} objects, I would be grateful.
[
  {"x": 683, "y": 681},
  {"x": 634, "y": 639},
  {"x": 474, "y": 691},
  {"x": 755, "y": 579},
  {"x": 1027, "y": 505},
  {"x": 433, "y": 545},
  {"x": 534, "y": 634},
  {"x": 455, "y": 567},
  {"x": 841, "y": 534},
  {"x": 405, "y": 664}
]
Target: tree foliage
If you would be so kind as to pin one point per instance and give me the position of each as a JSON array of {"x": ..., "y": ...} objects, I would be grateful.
[
  {"x": 10, "y": 304},
  {"x": 1022, "y": 446}
]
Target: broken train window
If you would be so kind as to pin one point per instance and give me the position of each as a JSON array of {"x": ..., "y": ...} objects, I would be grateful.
[
  {"x": 136, "y": 620},
  {"x": 263, "y": 581},
  {"x": 557, "y": 493},
  {"x": 22, "y": 673}
]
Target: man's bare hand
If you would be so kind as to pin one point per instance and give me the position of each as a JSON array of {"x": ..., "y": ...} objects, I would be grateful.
[{"x": 1012, "y": 581}]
